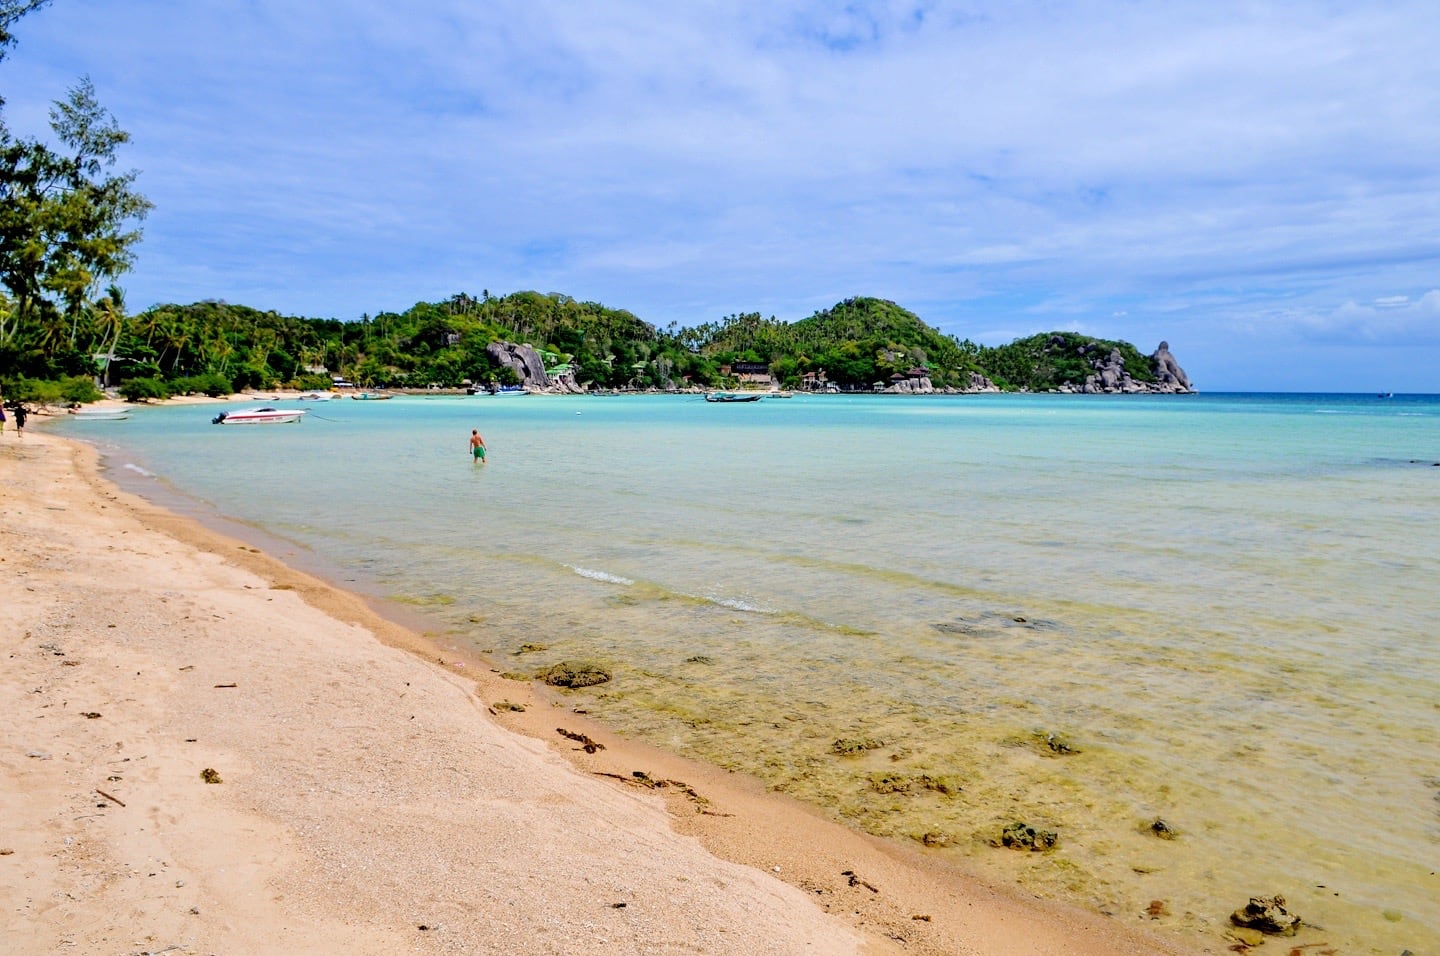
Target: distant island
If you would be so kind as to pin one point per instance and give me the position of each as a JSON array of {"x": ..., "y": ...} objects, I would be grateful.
[{"x": 555, "y": 343}]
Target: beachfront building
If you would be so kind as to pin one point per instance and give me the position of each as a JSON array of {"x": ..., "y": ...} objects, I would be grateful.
[{"x": 749, "y": 373}]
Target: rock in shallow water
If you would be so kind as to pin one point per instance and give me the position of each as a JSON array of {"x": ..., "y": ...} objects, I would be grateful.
[
  {"x": 1268, "y": 915},
  {"x": 574, "y": 674},
  {"x": 1021, "y": 836}
]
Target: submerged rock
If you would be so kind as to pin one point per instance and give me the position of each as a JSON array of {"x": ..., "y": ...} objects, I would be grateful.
[
  {"x": 1246, "y": 937},
  {"x": 941, "y": 784},
  {"x": 892, "y": 782},
  {"x": 1021, "y": 836},
  {"x": 1268, "y": 915},
  {"x": 1162, "y": 829},
  {"x": 574, "y": 674},
  {"x": 1057, "y": 744},
  {"x": 850, "y": 746}
]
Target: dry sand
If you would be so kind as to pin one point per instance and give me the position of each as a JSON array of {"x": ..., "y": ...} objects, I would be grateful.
[{"x": 369, "y": 797}]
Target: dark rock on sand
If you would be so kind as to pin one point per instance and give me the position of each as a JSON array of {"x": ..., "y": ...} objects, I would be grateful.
[
  {"x": 574, "y": 674},
  {"x": 1162, "y": 829},
  {"x": 1268, "y": 915}
]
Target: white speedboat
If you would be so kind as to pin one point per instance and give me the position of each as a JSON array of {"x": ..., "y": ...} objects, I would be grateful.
[
  {"x": 259, "y": 416},
  {"x": 101, "y": 414}
]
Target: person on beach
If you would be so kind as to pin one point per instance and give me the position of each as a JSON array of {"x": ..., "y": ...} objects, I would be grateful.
[
  {"x": 477, "y": 445},
  {"x": 2, "y": 419},
  {"x": 20, "y": 415}
]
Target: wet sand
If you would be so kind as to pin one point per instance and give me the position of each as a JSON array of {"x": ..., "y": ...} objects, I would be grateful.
[{"x": 370, "y": 796}]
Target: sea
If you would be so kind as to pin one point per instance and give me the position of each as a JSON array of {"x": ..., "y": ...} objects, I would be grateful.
[{"x": 1193, "y": 637}]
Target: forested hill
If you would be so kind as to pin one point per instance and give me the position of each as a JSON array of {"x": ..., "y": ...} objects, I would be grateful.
[
  {"x": 857, "y": 344},
  {"x": 866, "y": 341}
]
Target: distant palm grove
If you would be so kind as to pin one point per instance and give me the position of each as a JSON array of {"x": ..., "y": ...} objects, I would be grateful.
[{"x": 218, "y": 348}]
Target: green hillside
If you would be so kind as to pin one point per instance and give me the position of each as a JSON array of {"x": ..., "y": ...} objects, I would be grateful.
[{"x": 218, "y": 347}]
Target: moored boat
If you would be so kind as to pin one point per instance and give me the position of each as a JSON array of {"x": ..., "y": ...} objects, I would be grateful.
[
  {"x": 315, "y": 397},
  {"x": 371, "y": 396},
  {"x": 259, "y": 416},
  {"x": 101, "y": 414},
  {"x": 733, "y": 396}
]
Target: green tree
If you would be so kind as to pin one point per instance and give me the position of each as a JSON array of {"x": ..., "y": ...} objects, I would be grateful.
[{"x": 66, "y": 218}]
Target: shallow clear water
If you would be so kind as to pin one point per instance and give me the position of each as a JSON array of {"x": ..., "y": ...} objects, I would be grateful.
[{"x": 1225, "y": 604}]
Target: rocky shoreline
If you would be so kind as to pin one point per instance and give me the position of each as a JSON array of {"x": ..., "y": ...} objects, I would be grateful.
[{"x": 1109, "y": 377}]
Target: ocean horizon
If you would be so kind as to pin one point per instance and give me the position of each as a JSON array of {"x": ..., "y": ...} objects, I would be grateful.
[{"x": 935, "y": 616}]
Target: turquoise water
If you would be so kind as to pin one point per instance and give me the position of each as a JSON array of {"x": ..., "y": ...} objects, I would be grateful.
[{"x": 1226, "y": 605}]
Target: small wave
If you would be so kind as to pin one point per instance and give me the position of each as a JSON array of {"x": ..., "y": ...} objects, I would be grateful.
[
  {"x": 138, "y": 470},
  {"x": 599, "y": 575},
  {"x": 735, "y": 604}
]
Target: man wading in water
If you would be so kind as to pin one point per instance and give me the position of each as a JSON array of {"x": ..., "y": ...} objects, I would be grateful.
[{"x": 477, "y": 445}]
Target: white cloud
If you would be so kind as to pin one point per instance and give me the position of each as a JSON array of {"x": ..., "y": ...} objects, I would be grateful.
[
  {"x": 1202, "y": 165},
  {"x": 1389, "y": 320}
]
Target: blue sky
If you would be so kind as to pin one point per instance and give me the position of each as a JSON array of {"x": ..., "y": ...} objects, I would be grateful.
[{"x": 1256, "y": 183}]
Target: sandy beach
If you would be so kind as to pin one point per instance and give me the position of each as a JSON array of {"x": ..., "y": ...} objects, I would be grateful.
[{"x": 206, "y": 751}]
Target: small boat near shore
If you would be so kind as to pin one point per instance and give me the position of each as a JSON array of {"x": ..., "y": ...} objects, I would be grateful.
[
  {"x": 371, "y": 396},
  {"x": 259, "y": 416},
  {"x": 733, "y": 396},
  {"x": 101, "y": 414},
  {"x": 315, "y": 397}
]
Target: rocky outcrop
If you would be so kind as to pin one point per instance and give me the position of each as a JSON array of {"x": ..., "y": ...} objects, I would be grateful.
[
  {"x": 1111, "y": 377},
  {"x": 923, "y": 386},
  {"x": 979, "y": 383},
  {"x": 523, "y": 359},
  {"x": 565, "y": 382},
  {"x": 912, "y": 386},
  {"x": 1171, "y": 376}
]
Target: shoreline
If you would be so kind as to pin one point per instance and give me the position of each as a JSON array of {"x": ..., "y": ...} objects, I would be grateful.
[{"x": 882, "y": 897}]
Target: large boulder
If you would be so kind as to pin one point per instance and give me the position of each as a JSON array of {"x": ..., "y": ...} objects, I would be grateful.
[
  {"x": 1110, "y": 376},
  {"x": 1171, "y": 377},
  {"x": 526, "y": 362},
  {"x": 979, "y": 383}
]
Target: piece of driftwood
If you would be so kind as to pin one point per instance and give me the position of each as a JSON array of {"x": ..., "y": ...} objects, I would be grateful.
[{"x": 586, "y": 743}]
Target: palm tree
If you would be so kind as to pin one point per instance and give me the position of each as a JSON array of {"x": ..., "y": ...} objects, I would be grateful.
[{"x": 110, "y": 311}]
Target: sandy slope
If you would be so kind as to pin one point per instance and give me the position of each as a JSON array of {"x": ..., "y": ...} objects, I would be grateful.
[{"x": 370, "y": 801}]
